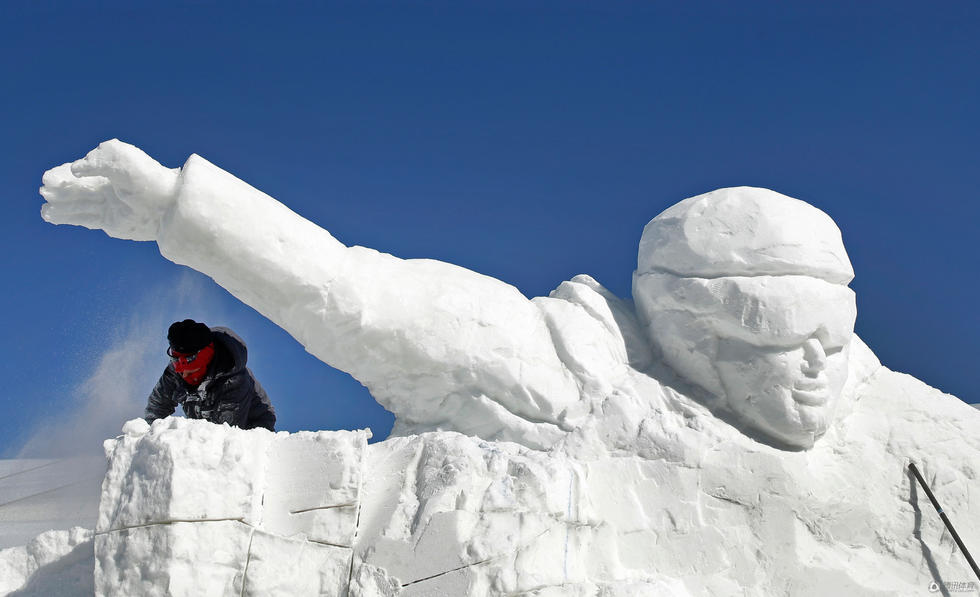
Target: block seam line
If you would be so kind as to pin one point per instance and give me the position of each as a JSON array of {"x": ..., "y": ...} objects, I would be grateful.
[
  {"x": 329, "y": 544},
  {"x": 264, "y": 482},
  {"x": 172, "y": 521},
  {"x": 516, "y": 550},
  {"x": 437, "y": 575},
  {"x": 330, "y": 507},
  {"x": 357, "y": 512},
  {"x": 248, "y": 558}
]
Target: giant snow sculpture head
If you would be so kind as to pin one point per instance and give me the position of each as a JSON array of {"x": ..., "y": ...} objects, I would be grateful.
[{"x": 745, "y": 292}]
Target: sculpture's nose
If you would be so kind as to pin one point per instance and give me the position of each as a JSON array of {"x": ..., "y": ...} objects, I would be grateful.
[{"x": 815, "y": 359}]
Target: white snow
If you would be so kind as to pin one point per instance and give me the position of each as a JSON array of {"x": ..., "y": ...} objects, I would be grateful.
[
  {"x": 41, "y": 494},
  {"x": 729, "y": 435},
  {"x": 53, "y": 563},
  {"x": 187, "y": 506}
]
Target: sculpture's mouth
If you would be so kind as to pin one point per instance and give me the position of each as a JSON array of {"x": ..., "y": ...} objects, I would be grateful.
[{"x": 812, "y": 391}]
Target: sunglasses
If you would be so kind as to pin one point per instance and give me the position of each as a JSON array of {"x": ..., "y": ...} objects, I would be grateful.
[{"x": 179, "y": 356}]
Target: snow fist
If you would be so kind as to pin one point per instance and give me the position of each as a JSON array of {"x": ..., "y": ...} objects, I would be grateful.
[{"x": 116, "y": 188}]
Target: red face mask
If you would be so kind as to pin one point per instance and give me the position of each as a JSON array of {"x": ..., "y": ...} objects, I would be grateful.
[{"x": 192, "y": 366}]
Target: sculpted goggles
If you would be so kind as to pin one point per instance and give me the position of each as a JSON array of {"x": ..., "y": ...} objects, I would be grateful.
[{"x": 759, "y": 310}]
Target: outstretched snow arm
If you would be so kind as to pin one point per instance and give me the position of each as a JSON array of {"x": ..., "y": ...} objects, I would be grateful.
[{"x": 438, "y": 345}]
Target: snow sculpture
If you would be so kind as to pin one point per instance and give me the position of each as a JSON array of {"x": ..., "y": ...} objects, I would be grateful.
[
  {"x": 445, "y": 348},
  {"x": 602, "y": 449}
]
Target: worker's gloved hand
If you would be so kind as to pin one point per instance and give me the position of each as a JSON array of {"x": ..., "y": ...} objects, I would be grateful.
[{"x": 116, "y": 188}]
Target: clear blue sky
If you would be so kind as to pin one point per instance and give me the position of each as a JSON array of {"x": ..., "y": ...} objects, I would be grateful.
[{"x": 527, "y": 141}]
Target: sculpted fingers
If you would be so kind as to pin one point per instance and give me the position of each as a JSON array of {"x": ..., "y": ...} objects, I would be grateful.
[
  {"x": 59, "y": 184},
  {"x": 134, "y": 175},
  {"x": 72, "y": 200},
  {"x": 85, "y": 213},
  {"x": 64, "y": 188},
  {"x": 92, "y": 202}
]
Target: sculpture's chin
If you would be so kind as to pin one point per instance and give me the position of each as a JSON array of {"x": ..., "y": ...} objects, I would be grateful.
[
  {"x": 791, "y": 416},
  {"x": 802, "y": 430}
]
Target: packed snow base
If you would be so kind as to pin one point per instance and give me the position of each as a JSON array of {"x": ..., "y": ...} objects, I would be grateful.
[
  {"x": 191, "y": 508},
  {"x": 724, "y": 433}
]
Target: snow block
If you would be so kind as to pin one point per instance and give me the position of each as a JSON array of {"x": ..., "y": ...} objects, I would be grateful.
[
  {"x": 449, "y": 514},
  {"x": 278, "y": 566},
  {"x": 205, "y": 503},
  {"x": 181, "y": 469},
  {"x": 312, "y": 485},
  {"x": 172, "y": 560}
]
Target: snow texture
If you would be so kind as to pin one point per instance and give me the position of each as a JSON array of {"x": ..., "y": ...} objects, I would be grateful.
[
  {"x": 190, "y": 508},
  {"x": 41, "y": 494},
  {"x": 53, "y": 563},
  {"x": 728, "y": 435}
]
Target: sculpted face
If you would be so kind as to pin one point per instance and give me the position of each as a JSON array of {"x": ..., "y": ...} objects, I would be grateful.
[
  {"x": 744, "y": 291},
  {"x": 790, "y": 394},
  {"x": 787, "y": 384}
]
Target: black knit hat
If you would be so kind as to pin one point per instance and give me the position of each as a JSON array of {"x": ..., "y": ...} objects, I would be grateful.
[{"x": 188, "y": 336}]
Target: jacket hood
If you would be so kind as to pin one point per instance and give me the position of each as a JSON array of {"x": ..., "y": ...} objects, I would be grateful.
[{"x": 234, "y": 345}]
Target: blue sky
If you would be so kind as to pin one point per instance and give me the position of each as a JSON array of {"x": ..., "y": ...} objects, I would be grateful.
[{"x": 527, "y": 141}]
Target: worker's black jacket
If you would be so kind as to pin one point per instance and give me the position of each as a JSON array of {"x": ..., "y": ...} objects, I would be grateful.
[{"x": 229, "y": 392}]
